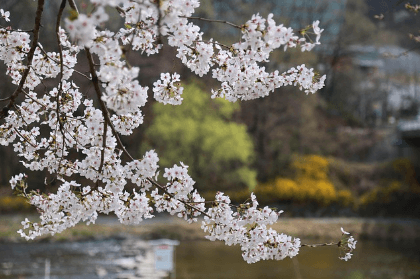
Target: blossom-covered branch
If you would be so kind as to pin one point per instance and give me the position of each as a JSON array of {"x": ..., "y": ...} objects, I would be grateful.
[
  {"x": 72, "y": 124},
  {"x": 14, "y": 52}
]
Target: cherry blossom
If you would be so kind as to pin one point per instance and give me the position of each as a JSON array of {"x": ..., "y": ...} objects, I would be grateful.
[
  {"x": 317, "y": 30},
  {"x": 343, "y": 231},
  {"x": 5, "y": 14},
  {"x": 73, "y": 134},
  {"x": 167, "y": 90},
  {"x": 347, "y": 245}
]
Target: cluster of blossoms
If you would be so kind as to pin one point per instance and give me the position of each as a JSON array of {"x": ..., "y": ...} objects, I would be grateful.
[
  {"x": 14, "y": 46},
  {"x": 179, "y": 195},
  {"x": 261, "y": 242},
  {"x": 166, "y": 92},
  {"x": 63, "y": 132},
  {"x": 83, "y": 28},
  {"x": 347, "y": 245}
]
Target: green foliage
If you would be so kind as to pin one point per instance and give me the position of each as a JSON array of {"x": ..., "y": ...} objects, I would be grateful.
[{"x": 200, "y": 134}]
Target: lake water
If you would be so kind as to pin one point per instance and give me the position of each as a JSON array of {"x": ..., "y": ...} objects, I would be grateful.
[{"x": 204, "y": 259}]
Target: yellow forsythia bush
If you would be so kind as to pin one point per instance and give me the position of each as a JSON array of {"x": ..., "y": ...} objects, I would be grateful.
[
  {"x": 369, "y": 197},
  {"x": 310, "y": 184},
  {"x": 13, "y": 204},
  {"x": 312, "y": 178},
  {"x": 380, "y": 195},
  {"x": 311, "y": 166},
  {"x": 406, "y": 169},
  {"x": 320, "y": 191},
  {"x": 285, "y": 189},
  {"x": 345, "y": 198}
]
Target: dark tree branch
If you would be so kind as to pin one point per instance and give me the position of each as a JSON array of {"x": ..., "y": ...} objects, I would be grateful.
[
  {"x": 73, "y": 6},
  {"x": 60, "y": 51},
  {"x": 31, "y": 52},
  {"x": 101, "y": 165},
  {"x": 60, "y": 90}
]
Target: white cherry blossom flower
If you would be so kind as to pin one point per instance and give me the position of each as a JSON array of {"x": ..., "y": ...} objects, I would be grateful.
[
  {"x": 346, "y": 257},
  {"x": 5, "y": 14},
  {"x": 343, "y": 231},
  {"x": 317, "y": 30}
]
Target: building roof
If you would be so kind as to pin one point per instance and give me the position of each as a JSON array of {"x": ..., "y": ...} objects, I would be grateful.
[{"x": 389, "y": 59}]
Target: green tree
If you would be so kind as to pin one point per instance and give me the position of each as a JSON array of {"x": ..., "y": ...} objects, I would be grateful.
[{"x": 219, "y": 152}]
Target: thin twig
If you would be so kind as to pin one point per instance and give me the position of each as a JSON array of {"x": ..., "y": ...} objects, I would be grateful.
[
  {"x": 173, "y": 197},
  {"x": 120, "y": 10},
  {"x": 17, "y": 30},
  {"x": 58, "y": 62},
  {"x": 34, "y": 100},
  {"x": 321, "y": 244},
  {"x": 24, "y": 138},
  {"x": 213, "y": 20},
  {"x": 5, "y": 99},
  {"x": 388, "y": 55},
  {"x": 82, "y": 74},
  {"x": 216, "y": 43}
]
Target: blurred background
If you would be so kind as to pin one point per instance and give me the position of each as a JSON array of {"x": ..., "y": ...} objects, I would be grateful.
[{"x": 350, "y": 150}]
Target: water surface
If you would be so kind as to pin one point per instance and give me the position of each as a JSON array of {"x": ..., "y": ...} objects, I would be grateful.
[{"x": 204, "y": 259}]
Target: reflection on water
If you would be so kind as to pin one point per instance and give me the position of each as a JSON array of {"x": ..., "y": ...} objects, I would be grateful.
[
  {"x": 370, "y": 260},
  {"x": 66, "y": 260},
  {"x": 203, "y": 259}
]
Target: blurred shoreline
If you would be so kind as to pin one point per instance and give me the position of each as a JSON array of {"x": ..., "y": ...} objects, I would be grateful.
[{"x": 166, "y": 226}]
